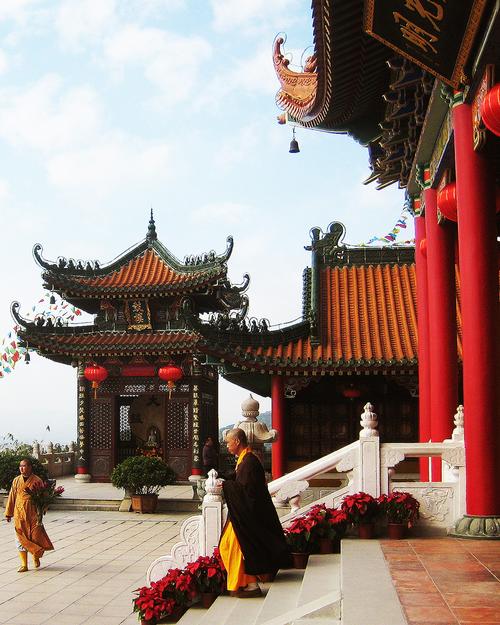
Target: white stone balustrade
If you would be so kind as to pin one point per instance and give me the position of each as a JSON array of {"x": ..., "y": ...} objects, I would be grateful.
[{"x": 369, "y": 466}]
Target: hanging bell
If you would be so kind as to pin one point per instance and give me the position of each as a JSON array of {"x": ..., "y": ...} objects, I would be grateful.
[
  {"x": 52, "y": 299},
  {"x": 294, "y": 146},
  {"x": 27, "y": 357}
]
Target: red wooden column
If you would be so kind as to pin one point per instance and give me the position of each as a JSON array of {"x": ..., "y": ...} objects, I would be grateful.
[
  {"x": 424, "y": 413},
  {"x": 442, "y": 325},
  {"x": 278, "y": 423},
  {"x": 480, "y": 317}
]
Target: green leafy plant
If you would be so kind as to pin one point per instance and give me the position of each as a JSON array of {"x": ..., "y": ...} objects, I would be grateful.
[
  {"x": 141, "y": 475},
  {"x": 9, "y": 467}
]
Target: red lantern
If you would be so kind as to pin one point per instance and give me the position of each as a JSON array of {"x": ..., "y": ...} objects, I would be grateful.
[
  {"x": 447, "y": 201},
  {"x": 140, "y": 371},
  {"x": 171, "y": 373},
  {"x": 351, "y": 392},
  {"x": 490, "y": 110},
  {"x": 95, "y": 374}
]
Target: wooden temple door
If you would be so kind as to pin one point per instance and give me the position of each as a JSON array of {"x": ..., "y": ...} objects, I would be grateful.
[
  {"x": 177, "y": 436},
  {"x": 101, "y": 438}
]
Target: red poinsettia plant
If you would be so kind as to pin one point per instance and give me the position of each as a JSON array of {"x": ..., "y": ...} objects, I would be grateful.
[
  {"x": 360, "y": 508},
  {"x": 208, "y": 573},
  {"x": 176, "y": 589},
  {"x": 328, "y": 522},
  {"x": 299, "y": 535},
  {"x": 400, "y": 507}
]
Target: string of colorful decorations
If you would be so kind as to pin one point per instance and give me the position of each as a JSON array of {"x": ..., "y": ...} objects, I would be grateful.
[
  {"x": 48, "y": 307},
  {"x": 390, "y": 237}
]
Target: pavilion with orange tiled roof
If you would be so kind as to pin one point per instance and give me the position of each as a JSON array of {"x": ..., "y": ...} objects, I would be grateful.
[{"x": 137, "y": 330}]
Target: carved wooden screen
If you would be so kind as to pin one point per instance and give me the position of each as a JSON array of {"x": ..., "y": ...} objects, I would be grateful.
[
  {"x": 177, "y": 437},
  {"x": 126, "y": 444},
  {"x": 101, "y": 438}
]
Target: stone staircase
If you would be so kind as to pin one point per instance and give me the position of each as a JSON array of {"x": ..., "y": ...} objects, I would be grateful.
[{"x": 353, "y": 588}]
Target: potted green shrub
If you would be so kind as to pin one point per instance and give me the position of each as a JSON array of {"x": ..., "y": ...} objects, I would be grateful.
[{"x": 142, "y": 477}]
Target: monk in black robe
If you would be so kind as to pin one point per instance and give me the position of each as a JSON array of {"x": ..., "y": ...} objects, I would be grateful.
[{"x": 252, "y": 543}]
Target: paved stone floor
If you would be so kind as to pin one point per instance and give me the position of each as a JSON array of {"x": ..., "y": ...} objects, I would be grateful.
[
  {"x": 97, "y": 490},
  {"x": 99, "y": 559},
  {"x": 446, "y": 581}
]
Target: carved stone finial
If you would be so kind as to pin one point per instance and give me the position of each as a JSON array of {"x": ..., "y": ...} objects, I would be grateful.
[
  {"x": 369, "y": 421},
  {"x": 458, "y": 419},
  {"x": 151, "y": 235},
  {"x": 36, "y": 450},
  {"x": 213, "y": 487},
  {"x": 256, "y": 431},
  {"x": 250, "y": 408}
]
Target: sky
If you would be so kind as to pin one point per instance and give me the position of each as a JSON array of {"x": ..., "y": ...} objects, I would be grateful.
[{"x": 111, "y": 107}]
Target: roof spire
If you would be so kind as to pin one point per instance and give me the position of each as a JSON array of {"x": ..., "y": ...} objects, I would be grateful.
[{"x": 151, "y": 235}]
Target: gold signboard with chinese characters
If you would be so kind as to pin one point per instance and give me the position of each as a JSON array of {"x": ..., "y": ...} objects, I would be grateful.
[
  {"x": 138, "y": 315},
  {"x": 435, "y": 34}
]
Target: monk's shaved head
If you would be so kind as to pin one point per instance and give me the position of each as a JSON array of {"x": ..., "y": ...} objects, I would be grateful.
[{"x": 239, "y": 435}]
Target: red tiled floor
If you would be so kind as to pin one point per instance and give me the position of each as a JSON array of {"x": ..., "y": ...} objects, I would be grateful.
[
  {"x": 431, "y": 614},
  {"x": 477, "y": 614},
  {"x": 446, "y": 581},
  {"x": 467, "y": 599}
]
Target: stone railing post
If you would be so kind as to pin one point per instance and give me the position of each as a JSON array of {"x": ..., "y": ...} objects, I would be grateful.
[
  {"x": 36, "y": 450},
  {"x": 369, "y": 452},
  {"x": 212, "y": 513}
]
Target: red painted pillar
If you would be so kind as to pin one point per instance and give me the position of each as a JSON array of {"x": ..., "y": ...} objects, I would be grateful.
[
  {"x": 442, "y": 325},
  {"x": 424, "y": 412},
  {"x": 480, "y": 317},
  {"x": 278, "y": 422}
]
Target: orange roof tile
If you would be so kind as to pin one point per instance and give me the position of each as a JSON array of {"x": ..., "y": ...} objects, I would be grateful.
[
  {"x": 147, "y": 271},
  {"x": 114, "y": 343}
]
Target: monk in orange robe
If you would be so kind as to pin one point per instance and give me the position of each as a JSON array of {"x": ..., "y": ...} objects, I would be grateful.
[{"x": 31, "y": 537}]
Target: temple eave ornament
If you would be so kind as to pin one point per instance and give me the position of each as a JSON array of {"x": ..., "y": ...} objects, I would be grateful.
[{"x": 298, "y": 89}]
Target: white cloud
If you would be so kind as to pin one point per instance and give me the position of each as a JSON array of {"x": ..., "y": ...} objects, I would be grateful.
[
  {"x": 237, "y": 147},
  {"x": 3, "y": 62},
  {"x": 102, "y": 167},
  {"x": 4, "y": 190},
  {"x": 251, "y": 15},
  {"x": 78, "y": 21},
  {"x": 169, "y": 61},
  {"x": 17, "y": 10},
  {"x": 225, "y": 212},
  {"x": 45, "y": 117}
]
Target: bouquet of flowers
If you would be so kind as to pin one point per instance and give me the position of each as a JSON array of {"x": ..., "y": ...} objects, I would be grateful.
[
  {"x": 360, "y": 508},
  {"x": 42, "y": 495},
  {"x": 208, "y": 573},
  {"x": 299, "y": 535},
  {"x": 400, "y": 508},
  {"x": 176, "y": 590}
]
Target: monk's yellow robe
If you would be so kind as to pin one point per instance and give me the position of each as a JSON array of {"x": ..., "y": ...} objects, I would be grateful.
[
  {"x": 231, "y": 553},
  {"x": 30, "y": 535}
]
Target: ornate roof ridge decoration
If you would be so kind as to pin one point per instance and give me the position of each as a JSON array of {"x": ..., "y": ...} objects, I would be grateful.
[
  {"x": 349, "y": 65},
  {"x": 331, "y": 249},
  {"x": 88, "y": 269},
  {"x": 299, "y": 90}
]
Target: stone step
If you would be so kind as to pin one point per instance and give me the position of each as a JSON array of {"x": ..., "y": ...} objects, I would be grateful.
[
  {"x": 322, "y": 576},
  {"x": 368, "y": 594},
  {"x": 281, "y": 596},
  {"x": 105, "y": 505}
]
